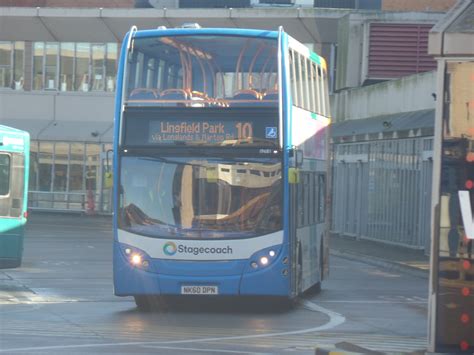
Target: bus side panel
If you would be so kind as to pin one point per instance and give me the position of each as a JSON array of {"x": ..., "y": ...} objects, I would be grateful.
[
  {"x": 11, "y": 242},
  {"x": 309, "y": 136},
  {"x": 288, "y": 212},
  {"x": 15, "y": 143},
  {"x": 310, "y": 238}
]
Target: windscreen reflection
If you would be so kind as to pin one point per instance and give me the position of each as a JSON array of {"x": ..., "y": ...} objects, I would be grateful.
[{"x": 176, "y": 197}]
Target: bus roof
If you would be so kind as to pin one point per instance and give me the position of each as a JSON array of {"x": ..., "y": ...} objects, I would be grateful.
[
  {"x": 13, "y": 131},
  {"x": 206, "y": 31}
]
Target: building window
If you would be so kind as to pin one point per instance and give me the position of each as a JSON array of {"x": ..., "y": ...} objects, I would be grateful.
[
  {"x": 18, "y": 65},
  {"x": 45, "y": 166},
  {"x": 38, "y": 54},
  {"x": 82, "y": 67},
  {"x": 51, "y": 66},
  {"x": 98, "y": 67},
  {"x": 67, "y": 66},
  {"x": 74, "y": 66},
  {"x": 61, "y": 167},
  {"x": 5, "y": 64},
  {"x": 68, "y": 176},
  {"x": 111, "y": 66},
  {"x": 12, "y": 65}
]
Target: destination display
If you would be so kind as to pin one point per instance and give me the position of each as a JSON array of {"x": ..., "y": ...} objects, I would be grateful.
[
  {"x": 167, "y": 131},
  {"x": 170, "y": 127}
]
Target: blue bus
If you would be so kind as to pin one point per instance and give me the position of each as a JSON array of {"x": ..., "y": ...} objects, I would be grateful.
[
  {"x": 14, "y": 169},
  {"x": 221, "y": 169}
]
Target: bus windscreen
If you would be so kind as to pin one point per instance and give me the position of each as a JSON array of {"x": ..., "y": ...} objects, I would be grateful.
[{"x": 200, "y": 198}]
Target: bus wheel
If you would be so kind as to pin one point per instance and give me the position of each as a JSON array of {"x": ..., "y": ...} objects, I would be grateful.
[
  {"x": 149, "y": 302},
  {"x": 10, "y": 264},
  {"x": 143, "y": 303},
  {"x": 282, "y": 304}
]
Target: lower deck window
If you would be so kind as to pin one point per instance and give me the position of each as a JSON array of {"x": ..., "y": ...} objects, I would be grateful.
[{"x": 4, "y": 174}]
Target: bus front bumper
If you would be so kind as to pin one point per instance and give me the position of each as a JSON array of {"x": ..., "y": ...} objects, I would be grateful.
[{"x": 239, "y": 279}]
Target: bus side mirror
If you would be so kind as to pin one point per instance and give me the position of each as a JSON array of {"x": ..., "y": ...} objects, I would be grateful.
[{"x": 299, "y": 158}]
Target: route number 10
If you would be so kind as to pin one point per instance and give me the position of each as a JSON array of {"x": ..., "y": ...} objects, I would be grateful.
[{"x": 244, "y": 130}]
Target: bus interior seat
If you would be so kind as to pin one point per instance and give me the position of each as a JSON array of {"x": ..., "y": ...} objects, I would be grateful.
[
  {"x": 247, "y": 94},
  {"x": 143, "y": 94},
  {"x": 270, "y": 95},
  {"x": 270, "y": 98},
  {"x": 174, "y": 94},
  {"x": 242, "y": 97}
]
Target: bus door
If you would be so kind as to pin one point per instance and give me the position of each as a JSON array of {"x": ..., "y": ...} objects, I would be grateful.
[
  {"x": 12, "y": 184},
  {"x": 294, "y": 211}
]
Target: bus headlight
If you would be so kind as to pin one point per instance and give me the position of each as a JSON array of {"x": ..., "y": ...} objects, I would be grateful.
[
  {"x": 263, "y": 258},
  {"x": 136, "y": 257}
]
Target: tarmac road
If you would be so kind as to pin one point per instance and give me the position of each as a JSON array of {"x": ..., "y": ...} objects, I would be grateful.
[{"x": 61, "y": 302}]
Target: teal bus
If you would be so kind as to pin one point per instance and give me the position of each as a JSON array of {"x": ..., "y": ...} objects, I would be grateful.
[
  {"x": 220, "y": 165},
  {"x": 14, "y": 169}
]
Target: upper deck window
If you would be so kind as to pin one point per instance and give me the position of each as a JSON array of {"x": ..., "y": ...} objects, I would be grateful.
[
  {"x": 4, "y": 174},
  {"x": 197, "y": 71}
]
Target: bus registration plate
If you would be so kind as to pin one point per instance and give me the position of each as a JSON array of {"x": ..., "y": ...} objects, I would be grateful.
[{"x": 199, "y": 290}]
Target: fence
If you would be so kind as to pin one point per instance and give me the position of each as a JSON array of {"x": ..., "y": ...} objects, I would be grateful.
[
  {"x": 382, "y": 190},
  {"x": 86, "y": 202}
]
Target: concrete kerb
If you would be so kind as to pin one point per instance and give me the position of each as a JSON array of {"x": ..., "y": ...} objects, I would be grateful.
[
  {"x": 326, "y": 351},
  {"x": 386, "y": 264},
  {"x": 344, "y": 348}
]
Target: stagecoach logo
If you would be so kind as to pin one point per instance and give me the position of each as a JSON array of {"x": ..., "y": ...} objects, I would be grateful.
[{"x": 169, "y": 248}]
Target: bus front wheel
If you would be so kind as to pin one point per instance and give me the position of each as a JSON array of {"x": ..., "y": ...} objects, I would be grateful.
[
  {"x": 148, "y": 302},
  {"x": 143, "y": 303},
  {"x": 10, "y": 263}
]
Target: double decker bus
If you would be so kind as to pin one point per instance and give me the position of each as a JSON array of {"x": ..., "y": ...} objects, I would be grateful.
[
  {"x": 221, "y": 169},
  {"x": 14, "y": 169}
]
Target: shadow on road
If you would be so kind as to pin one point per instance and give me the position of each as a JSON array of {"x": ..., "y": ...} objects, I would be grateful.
[{"x": 217, "y": 305}]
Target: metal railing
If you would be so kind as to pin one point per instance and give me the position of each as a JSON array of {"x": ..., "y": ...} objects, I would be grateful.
[
  {"x": 382, "y": 191},
  {"x": 83, "y": 202}
]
